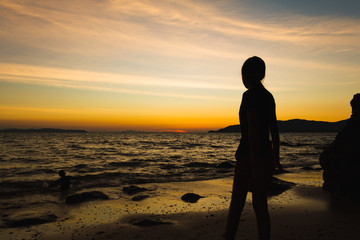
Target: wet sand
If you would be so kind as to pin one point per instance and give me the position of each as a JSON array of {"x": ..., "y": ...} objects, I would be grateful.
[{"x": 303, "y": 212}]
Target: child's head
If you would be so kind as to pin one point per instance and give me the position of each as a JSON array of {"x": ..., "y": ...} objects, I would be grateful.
[
  {"x": 253, "y": 71},
  {"x": 62, "y": 173}
]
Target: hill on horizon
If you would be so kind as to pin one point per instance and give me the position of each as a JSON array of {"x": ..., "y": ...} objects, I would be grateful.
[{"x": 296, "y": 125}]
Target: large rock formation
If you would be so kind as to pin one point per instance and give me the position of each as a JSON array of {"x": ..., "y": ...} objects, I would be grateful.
[{"x": 341, "y": 160}]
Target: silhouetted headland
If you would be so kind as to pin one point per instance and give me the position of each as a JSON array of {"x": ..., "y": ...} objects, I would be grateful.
[
  {"x": 296, "y": 125},
  {"x": 42, "y": 130}
]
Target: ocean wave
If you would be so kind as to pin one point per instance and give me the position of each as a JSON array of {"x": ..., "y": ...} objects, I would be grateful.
[
  {"x": 30, "y": 172},
  {"x": 169, "y": 166},
  {"x": 308, "y": 153},
  {"x": 218, "y": 146},
  {"x": 199, "y": 164},
  {"x": 82, "y": 165},
  {"x": 24, "y": 159},
  {"x": 146, "y": 142},
  {"x": 287, "y": 144},
  {"x": 90, "y": 170},
  {"x": 126, "y": 164},
  {"x": 129, "y": 154},
  {"x": 76, "y": 146},
  {"x": 186, "y": 146},
  {"x": 83, "y": 157}
]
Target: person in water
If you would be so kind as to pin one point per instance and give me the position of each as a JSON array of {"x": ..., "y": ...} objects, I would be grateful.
[
  {"x": 64, "y": 181},
  {"x": 257, "y": 158}
]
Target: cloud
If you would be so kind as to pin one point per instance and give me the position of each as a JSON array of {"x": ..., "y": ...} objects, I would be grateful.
[
  {"x": 99, "y": 81},
  {"x": 176, "y": 28},
  {"x": 11, "y": 110}
]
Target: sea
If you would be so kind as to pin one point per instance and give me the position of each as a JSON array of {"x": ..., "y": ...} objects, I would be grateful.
[{"x": 30, "y": 162}]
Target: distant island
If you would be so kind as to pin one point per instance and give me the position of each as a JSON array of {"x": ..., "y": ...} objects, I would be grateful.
[
  {"x": 296, "y": 125},
  {"x": 41, "y": 130}
]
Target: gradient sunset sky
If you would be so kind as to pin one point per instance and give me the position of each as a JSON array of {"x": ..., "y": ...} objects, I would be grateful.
[{"x": 166, "y": 65}]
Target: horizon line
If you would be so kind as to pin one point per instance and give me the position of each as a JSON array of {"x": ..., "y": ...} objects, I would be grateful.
[{"x": 161, "y": 130}]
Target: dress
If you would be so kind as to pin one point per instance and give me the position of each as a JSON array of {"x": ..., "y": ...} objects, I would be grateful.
[{"x": 262, "y": 101}]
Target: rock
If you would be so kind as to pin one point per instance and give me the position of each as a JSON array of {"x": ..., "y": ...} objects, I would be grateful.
[
  {"x": 85, "y": 196},
  {"x": 225, "y": 165},
  {"x": 139, "y": 197},
  {"x": 278, "y": 186},
  {"x": 341, "y": 160},
  {"x": 150, "y": 223},
  {"x": 29, "y": 219},
  {"x": 131, "y": 190},
  {"x": 190, "y": 197}
]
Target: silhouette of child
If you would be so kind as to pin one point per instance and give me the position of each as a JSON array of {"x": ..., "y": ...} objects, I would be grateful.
[
  {"x": 64, "y": 181},
  {"x": 257, "y": 157}
]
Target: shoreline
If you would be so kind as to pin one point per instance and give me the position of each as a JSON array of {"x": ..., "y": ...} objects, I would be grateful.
[{"x": 303, "y": 212}]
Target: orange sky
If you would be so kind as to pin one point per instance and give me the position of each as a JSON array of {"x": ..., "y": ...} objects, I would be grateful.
[{"x": 171, "y": 65}]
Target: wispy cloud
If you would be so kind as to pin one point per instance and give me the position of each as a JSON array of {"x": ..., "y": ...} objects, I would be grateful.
[
  {"x": 164, "y": 32},
  {"x": 176, "y": 28},
  {"x": 102, "y": 81},
  {"x": 10, "y": 109}
]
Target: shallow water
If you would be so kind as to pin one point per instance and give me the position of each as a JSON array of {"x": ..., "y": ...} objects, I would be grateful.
[{"x": 30, "y": 161}]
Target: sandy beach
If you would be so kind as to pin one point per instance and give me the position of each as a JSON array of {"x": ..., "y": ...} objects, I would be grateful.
[{"x": 303, "y": 212}]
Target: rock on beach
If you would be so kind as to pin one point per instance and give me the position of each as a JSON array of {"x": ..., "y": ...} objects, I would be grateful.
[
  {"x": 131, "y": 190},
  {"x": 190, "y": 197},
  {"x": 86, "y": 196}
]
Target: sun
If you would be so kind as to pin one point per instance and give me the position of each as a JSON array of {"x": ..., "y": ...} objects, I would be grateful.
[{"x": 175, "y": 131}]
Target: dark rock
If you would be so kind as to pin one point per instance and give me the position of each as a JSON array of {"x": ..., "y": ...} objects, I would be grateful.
[
  {"x": 30, "y": 219},
  {"x": 139, "y": 197},
  {"x": 94, "y": 195},
  {"x": 341, "y": 160},
  {"x": 190, "y": 197},
  {"x": 131, "y": 190},
  {"x": 150, "y": 223},
  {"x": 225, "y": 165},
  {"x": 85, "y": 196},
  {"x": 278, "y": 186}
]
